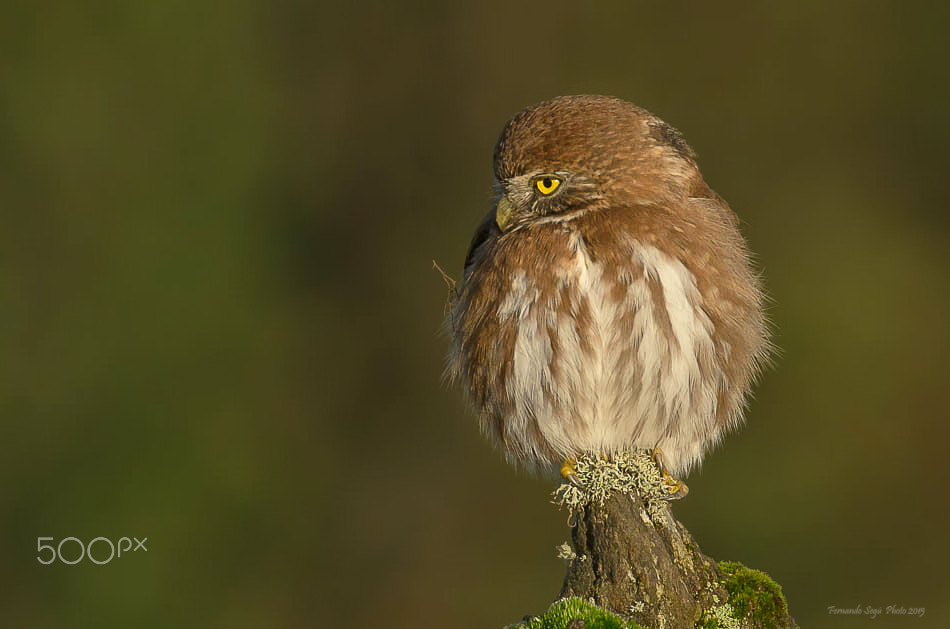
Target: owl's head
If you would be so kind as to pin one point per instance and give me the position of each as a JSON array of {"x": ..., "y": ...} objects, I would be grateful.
[{"x": 570, "y": 154}]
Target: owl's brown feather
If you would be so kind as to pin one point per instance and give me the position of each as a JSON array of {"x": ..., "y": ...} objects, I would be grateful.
[{"x": 621, "y": 312}]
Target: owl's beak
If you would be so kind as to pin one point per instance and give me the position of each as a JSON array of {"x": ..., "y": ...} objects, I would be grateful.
[{"x": 504, "y": 212}]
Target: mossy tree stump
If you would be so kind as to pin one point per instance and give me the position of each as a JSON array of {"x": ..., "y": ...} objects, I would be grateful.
[
  {"x": 631, "y": 557},
  {"x": 643, "y": 566}
]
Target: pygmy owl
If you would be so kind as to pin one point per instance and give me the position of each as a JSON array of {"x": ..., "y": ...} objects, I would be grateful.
[{"x": 608, "y": 300}]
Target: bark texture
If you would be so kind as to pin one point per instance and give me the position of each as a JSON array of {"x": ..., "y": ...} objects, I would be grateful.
[
  {"x": 630, "y": 556},
  {"x": 642, "y": 566}
]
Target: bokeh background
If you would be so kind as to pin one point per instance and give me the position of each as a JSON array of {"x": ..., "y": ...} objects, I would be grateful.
[{"x": 219, "y": 323}]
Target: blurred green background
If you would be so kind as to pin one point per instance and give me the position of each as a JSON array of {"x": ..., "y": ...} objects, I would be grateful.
[{"x": 219, "y": 325}]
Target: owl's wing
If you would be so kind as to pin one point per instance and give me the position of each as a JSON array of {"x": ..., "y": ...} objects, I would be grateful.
[
  {"x": 709, "y": 199},
  {"x": 487, "y": 230}
]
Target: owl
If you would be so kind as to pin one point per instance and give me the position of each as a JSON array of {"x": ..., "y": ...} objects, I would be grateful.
[{"x": 608, "y": 301}]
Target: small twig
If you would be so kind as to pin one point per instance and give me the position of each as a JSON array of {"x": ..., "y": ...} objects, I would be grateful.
[
  {"x": 451, "y": 284},
  {"x": 445, "y": 276}
]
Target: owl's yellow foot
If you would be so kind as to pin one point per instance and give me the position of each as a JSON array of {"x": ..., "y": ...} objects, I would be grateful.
[
  {"x": 675, "y": 488},
  {"x": 569, "y": 471}
]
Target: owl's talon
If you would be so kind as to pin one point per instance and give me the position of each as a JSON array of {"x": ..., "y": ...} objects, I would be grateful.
[
  {"x": 569, "y": 471},
  {"x": 675, "y": 488},
  {"x": 657, "y": 456}
]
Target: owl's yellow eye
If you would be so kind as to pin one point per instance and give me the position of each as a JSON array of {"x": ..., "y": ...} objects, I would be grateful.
[{"x": 547, "y": 185}]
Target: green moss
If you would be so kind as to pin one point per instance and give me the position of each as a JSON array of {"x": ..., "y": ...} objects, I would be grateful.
[
  {"x": 754, "y": 596},
  {"x": 562, "y": 612}
]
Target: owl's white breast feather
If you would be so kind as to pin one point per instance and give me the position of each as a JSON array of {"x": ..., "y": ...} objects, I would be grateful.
[{"x": 621, "y": 386}]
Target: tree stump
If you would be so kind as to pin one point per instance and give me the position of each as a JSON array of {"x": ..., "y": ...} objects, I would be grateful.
[{"x": 630, "y": 556}]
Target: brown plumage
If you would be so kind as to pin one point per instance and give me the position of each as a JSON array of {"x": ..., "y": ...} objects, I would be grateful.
[{"x": 608, "y": 301}]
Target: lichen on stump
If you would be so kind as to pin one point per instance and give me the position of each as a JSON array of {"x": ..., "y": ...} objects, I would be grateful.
[{"x": 632, "y": 558}]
